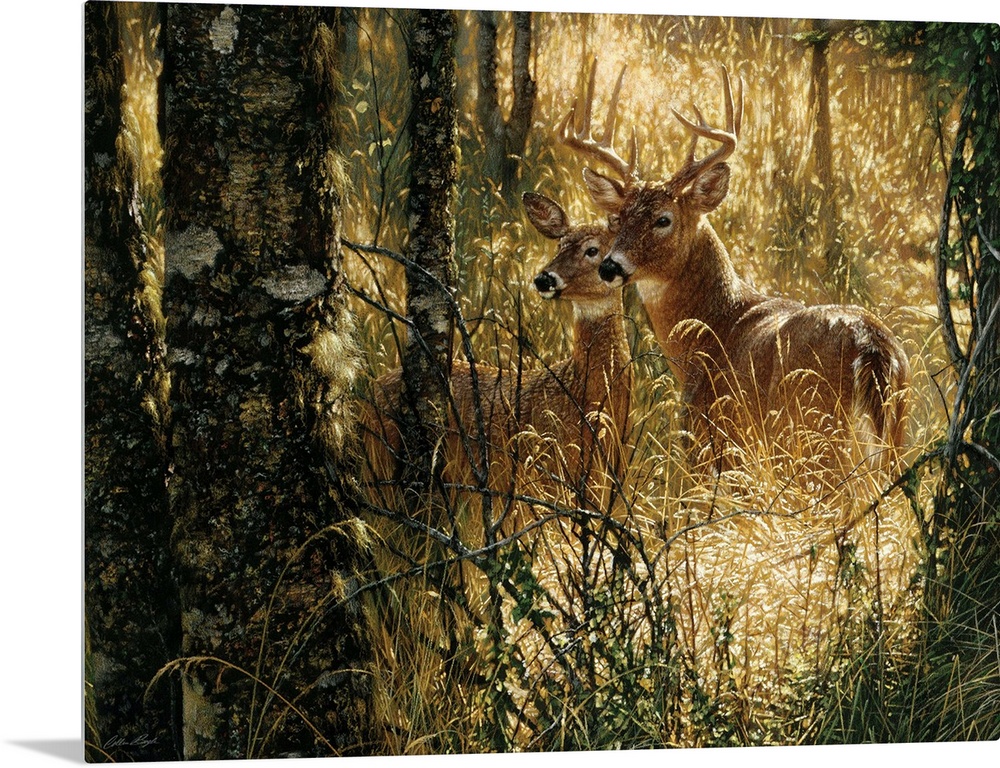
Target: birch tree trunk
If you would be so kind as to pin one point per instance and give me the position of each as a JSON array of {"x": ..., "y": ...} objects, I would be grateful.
[
  {"x": 129, "y": 604},
  {"x": 266, "y": 544}
]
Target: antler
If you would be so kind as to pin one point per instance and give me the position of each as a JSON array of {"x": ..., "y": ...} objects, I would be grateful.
[
  {"x": 727, "y": 137},
  {"x": 602, "y": 149}
]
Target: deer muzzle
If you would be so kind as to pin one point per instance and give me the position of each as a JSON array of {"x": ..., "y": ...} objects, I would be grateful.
[
  {"x": 611, "y": 271},
  {"x": 548, "y": 285}
]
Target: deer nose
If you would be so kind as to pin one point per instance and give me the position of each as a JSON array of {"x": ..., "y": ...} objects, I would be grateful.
[
  {"x": 611, "y": 271},
  {"x": 545, "y": 282}
]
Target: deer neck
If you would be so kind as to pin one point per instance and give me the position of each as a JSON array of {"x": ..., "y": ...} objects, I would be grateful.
[
  {"x": 705, "y": 288},
  {"x": 601, "y": 356},
  {"x": 599, "y": 334}
]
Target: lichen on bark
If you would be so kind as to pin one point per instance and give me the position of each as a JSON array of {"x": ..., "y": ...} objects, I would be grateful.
[
  {"x": 129, "y": 603},
  {"x": 260, "y": 420}
]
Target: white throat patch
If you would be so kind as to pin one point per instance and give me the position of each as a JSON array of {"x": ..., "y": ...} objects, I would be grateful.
[
  {"x": 595, "y": 309},
  {"x": 650, "y": 291}
]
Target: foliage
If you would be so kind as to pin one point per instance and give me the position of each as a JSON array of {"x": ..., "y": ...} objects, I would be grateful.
[{"x": 945, "y": 687}]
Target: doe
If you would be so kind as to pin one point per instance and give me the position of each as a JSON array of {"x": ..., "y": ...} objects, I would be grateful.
[{"x": 582, "y": 402}]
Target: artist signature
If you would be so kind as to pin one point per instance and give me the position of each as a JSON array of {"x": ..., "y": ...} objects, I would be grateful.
[{"x": 120, "y": 742}]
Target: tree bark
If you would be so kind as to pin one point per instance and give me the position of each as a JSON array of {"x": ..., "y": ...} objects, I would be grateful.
[
  {"x": 129, "y": 603},
  {"x": 488, "y": 112},
  {"x": 431, "y": 244},
  {"x": 504, "y": 140},
  {"x": 524, "y": 95},
  {"x": 266, "y": 545}
]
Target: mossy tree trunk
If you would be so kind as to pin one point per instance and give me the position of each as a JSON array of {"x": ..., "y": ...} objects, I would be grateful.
[
  {"x": 505, "y": 139},
  {"x": 431, "y": 244},
  {"x": 266, "y": 544},
  {"x": 130, "y": 611}
]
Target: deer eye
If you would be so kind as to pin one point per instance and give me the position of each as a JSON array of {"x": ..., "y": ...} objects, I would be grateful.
[
  {"x": 591, "y": 252},
  {"x": 664, "y": 221}
]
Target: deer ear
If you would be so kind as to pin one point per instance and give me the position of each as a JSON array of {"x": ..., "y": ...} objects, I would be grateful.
[
  {"x": 546, "y": 215},
  {"x": 709, "y": 190},
  {"x": 607, "y": 194}
]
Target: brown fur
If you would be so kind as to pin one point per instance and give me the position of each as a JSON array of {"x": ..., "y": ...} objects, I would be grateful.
[{"x": 728, "y": 343}]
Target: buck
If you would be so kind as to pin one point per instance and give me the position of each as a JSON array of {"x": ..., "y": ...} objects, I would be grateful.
[
  {"x": 744, "y": 360},
  {"x": 582, "y": 402}
]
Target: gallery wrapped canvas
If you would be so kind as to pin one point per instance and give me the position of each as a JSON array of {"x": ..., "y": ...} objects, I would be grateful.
[{"x": 467, "y": 381}]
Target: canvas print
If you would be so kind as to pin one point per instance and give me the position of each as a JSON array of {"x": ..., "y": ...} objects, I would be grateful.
[{"x": 480, "y": 381}]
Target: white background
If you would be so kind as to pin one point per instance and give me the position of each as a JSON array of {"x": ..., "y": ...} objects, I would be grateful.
[{"x": 41, "y": 389}]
